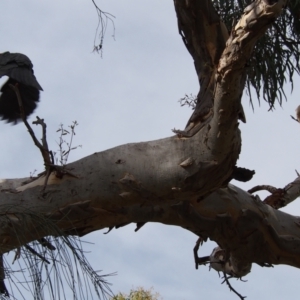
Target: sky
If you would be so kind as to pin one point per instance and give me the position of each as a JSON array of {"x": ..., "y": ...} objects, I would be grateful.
[{"x": 130, "y": 94}]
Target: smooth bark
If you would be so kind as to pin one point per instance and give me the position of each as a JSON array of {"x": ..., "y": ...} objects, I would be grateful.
[{"x": 181, "y": 180}]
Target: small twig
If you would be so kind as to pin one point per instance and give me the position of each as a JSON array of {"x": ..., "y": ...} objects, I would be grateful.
[
  {"x": 103, "y": 24},
  {"x": 196, "y": 248},
  {"x": 52, "y": 156},
  {"x": 23, "y": 116},
  {"x": 294, "y": 119},
  {"x": 44, "y": 126},
  {"x": 71, "y": 141},
  {"x": 43, "y": 147},
  {"x": 46, "y": 153},
  {"x": 268, "y": 188},
  {"x": 64, "y": 154},
  {"x": 189, "y": 100},
  {"x": 226, "y": 279},
  {"x": 199, "y": 260}
]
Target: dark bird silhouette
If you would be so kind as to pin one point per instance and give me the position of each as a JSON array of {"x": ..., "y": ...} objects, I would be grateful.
[{"x": 19, "y": 70}]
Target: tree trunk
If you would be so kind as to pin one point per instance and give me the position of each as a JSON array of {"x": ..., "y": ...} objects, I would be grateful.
[{"x": 181, "y": 180}]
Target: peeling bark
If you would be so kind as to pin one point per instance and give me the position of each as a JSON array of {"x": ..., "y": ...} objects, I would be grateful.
[{"x": 180, "y": 180}]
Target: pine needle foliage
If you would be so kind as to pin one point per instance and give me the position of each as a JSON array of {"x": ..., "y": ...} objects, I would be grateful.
[{"x": 276, "y": 56}]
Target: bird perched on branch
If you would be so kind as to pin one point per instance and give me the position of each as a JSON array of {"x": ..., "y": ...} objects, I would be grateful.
[{"x": 19, "y": 70}]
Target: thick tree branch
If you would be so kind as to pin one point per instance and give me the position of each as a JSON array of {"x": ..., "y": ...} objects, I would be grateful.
[
  {"x": 224, "y": 77},
  {"x": 238, "y": 222},
  {"x": 204, "y": 35},
  {"x": 181, "y": 180}
]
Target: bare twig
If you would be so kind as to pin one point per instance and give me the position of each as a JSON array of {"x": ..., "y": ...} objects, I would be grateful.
[
  {"x": 44, "y": 146},
  {"x": 208, "y": 259},
  {"x": 257, "y": 188},
  {"x": 103, "y": 18},
  {"x": 189, "y": 100},
  {"x": 44, "y": 139},
  {"x": 294, "y": 119},
  {"x": 199, "y": 260},
  {"x": 44, "y": 151},
  {"x": 64, "y": 154},
  {"x": 226, "y": 279}
]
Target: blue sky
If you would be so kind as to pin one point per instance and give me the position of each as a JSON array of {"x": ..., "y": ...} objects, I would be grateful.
[{"x": 130, "y": 95}]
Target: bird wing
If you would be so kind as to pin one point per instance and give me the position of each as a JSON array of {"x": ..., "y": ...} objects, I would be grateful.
[
  {"x": 19, "y": 59},
  {"x": 25, "y": 76},
  {"x": 19, "y": 67}
]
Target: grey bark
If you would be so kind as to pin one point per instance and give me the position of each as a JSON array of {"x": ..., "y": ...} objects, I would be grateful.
[{"x": 181, "y": 180}]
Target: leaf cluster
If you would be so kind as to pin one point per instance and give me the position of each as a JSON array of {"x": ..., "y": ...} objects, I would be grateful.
[
  {"x": 138, "y": 294},
  {"x": 276, "y": 55},
  {"x": 54, "y": 267}
]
